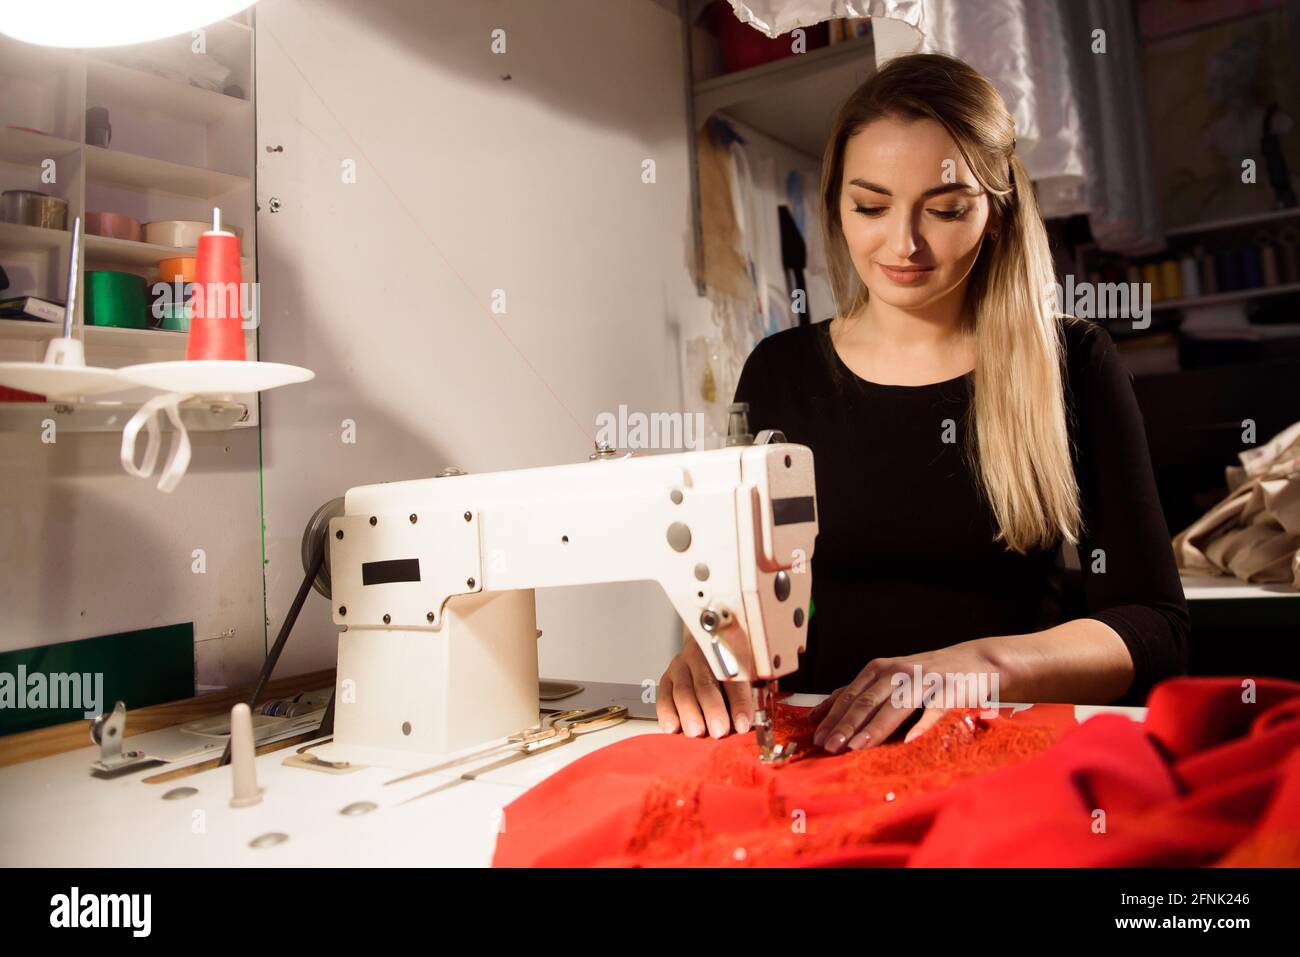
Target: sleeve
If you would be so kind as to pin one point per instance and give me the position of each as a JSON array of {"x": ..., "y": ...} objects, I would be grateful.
[
  {"x": 1130, "y": 578},
  {"x": 757, "y": 386}
]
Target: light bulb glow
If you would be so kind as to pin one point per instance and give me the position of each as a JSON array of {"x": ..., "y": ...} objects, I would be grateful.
[{"x": 103, "y": 23}]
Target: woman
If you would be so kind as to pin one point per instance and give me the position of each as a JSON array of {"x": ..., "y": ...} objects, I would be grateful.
[{"x": 963, "y": 432}]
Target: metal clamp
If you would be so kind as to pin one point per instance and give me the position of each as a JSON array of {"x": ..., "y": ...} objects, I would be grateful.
[
  {"x": 604, "y": 452},
  {"x": 107, "y": 731}
]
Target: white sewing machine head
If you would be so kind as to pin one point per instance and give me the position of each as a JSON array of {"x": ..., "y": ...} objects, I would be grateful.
[{"x": 433, "y": 583}]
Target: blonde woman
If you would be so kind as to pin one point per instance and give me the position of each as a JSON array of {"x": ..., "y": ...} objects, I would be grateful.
[{"x": 963, "y": 433}]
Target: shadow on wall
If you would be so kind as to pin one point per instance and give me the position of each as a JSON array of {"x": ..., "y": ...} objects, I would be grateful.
[{"x": 382, "y": 288}]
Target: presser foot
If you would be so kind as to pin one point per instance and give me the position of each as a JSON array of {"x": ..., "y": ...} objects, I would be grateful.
[{"x": 769, "y": 752}]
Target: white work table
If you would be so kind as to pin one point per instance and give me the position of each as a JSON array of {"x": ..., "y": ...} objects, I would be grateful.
[
  {"x": 58, "y": 813},
  {"x": 1221, "y": 587}
]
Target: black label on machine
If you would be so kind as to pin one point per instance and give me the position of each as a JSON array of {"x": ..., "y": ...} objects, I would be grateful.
[
  {"x": 792, "y": 511},
  {"x": 394, "y": 570}
]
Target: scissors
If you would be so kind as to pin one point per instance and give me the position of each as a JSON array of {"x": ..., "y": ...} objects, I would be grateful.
[{"x": 557, "y": 728}]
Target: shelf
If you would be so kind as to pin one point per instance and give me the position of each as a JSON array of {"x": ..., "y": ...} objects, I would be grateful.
[
  {"x": 793, "y": 99},
  {"x": 198, "y": 415},
  {"x": 1234, "y": 222},
  {"x": 127, "y": 252},
  {"x": 130, "y": 253},
  {"x": 18, "y": 238},
  {"x": 1194, "y": 302},
  {"x": 116, "y": 84},
  {"x": 96, "y": 337},
  {"x": 115, "y": 168},
  {"x": 25, "y": 148},
  {"x": 167, "y": 340},
  {"x": 29, "y": 330}
]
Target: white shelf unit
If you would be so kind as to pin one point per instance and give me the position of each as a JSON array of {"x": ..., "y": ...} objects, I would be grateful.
[
  {"x": 794, "y": 99},
  {"x": 176, "y": 151}
]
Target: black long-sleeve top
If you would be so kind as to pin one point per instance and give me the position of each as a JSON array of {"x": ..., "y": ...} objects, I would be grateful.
[{"x": 905, "y": 559}]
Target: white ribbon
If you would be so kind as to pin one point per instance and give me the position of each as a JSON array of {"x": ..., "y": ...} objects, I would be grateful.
[{"x": 178, "y": 459}]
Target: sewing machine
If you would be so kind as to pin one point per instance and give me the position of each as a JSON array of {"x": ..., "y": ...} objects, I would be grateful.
[{"x": 432, "y": 584}]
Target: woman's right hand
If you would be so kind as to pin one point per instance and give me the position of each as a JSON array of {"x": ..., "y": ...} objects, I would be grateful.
[{"x": 689, "y": 698}]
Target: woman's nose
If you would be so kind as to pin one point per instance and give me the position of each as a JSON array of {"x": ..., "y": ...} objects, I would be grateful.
[{"x": 906, "y": 239}]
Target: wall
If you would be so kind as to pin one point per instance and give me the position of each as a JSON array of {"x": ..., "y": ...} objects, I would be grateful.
[{"x": 474, "y": 172}]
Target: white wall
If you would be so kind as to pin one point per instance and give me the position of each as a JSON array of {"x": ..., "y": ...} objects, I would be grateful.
[
  {"x": 466, "y": 183},
  {"x": 86, "y": 550}
]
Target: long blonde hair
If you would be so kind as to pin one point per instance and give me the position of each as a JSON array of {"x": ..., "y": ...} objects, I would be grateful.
[{"x": 1020, "y": 445}]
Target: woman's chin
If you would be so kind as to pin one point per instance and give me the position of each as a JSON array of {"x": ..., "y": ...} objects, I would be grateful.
[{"x": 901, "y": 298}]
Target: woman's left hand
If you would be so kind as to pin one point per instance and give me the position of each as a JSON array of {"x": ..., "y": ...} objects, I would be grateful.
[{"x": 867, "y": 711}]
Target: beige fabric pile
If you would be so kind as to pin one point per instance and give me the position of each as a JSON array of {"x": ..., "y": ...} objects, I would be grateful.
[{"x": 1254, "y": 533}]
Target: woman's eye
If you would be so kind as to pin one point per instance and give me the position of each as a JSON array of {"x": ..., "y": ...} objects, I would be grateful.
[
  {"x": 950, "y": 214},
  {"x": 869, "y": 210}
]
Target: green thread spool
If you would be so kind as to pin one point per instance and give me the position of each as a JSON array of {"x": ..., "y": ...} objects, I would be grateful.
[
  {"x": 175, "y": 317},
  {"x": 115, "y": 299}
]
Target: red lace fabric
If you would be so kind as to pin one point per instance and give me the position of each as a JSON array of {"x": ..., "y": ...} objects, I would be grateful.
[
  {"x": 854, "y": 793},
  {"x": 1210, "y": 778}
]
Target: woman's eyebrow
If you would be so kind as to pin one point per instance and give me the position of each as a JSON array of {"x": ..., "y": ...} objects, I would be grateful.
[{"x": 932, "y": 191}]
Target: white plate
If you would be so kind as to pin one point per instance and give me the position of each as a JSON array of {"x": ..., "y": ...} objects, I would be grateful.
[
  {"x": 60, "y": 381},
  {"x": 214, "y": 376}
]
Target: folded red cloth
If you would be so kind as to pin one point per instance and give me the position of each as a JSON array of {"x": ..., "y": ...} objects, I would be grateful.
[{"x": 1211, "y": 777}]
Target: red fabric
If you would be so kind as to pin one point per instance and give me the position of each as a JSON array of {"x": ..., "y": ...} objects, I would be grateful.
[
  {"x": 1207, "y": 779},
  {"x": 18, "y": 395}
]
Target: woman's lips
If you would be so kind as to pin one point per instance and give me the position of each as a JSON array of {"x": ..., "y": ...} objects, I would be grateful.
[{"x": 906, "y": 275}]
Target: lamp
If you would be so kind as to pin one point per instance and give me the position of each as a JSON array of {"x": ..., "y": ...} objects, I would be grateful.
[{"x": 97, "y": 23}]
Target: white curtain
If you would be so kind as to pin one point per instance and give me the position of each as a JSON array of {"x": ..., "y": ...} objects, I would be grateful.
[{"x": 1080, "y": 127}]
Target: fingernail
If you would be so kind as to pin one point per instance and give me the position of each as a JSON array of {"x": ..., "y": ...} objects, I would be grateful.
[
  {"x": 742, "y": 724},
  {"x": 819, "y": 737},
  {"x": 717, "y": 728},
  {"x": 693, "y": 729},
  {"x": 859, "y": 741},
  {"x": 834, "y": 742},
  {"x": 667, "y": 726}
]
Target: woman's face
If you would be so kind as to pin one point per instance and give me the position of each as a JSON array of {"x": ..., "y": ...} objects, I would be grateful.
[{"x": 912, "y": 213}]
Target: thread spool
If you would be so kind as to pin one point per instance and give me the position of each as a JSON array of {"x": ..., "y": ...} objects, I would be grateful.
[
  {"x": 1170, "y": 281},
  {"x": 178, "y": 267},
  {"x": 1268, "y": 260},
  {"x": 115, "y": 225},
  {"x": 179, "y": 232},
  {"x": 1288, "y": 255},
  {"x": 1151, "y": 276},
  {"x": 1190, "y": 275},
  {"x": 1209, "y": 282},
  {"x": 1252, "y": 274},
  {"x": 1227, "y": 268},
  {"x": 216, "y": 330},
  {"x": 116, "y": 299}
]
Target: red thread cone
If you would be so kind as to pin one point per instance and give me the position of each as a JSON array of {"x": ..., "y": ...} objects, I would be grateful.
[{"x": 216, "y": 330}]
